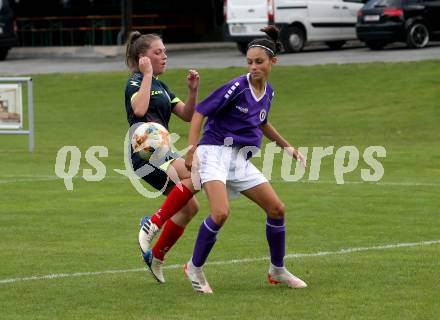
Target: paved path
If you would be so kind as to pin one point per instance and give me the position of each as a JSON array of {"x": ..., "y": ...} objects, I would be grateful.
[{"x": 219, "y": 57}]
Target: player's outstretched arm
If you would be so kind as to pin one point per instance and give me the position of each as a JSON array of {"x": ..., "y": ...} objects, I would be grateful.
[
  {"x": 273, "y": 135},
  {"x": 185, "y": 110}
]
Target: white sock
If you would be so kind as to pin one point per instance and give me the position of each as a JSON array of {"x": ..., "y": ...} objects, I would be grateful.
[{"x": 274, "y": 270}]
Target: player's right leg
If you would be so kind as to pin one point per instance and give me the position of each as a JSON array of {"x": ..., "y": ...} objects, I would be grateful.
[
  {"x": 177, "y": 197},
  {"x": 175, "y": 201},
  {"x": 207, "y": 236}
]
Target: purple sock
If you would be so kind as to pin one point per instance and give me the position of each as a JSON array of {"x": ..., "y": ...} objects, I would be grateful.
[
  {"x": 276, "y": 237},
  {"x": 205, "y": 241}
]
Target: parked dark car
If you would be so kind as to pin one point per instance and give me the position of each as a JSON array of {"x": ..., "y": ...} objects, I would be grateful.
[
  {"x": 7, "y": 32},
  {"x": 414, "y": 22}
]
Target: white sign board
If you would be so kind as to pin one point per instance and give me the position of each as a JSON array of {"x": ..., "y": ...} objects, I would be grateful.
[{"x": 11, "y": 107}]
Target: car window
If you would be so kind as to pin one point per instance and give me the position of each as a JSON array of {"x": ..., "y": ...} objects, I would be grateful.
[{"x": 383, "y": 4}]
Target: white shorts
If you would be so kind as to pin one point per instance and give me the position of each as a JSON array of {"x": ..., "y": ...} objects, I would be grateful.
[{"x": 228, "y": 165}]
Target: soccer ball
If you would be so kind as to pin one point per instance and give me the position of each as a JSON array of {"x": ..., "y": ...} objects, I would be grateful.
[{"x": 151, "y": 141}]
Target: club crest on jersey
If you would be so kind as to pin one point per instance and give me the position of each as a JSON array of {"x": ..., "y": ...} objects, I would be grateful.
[{"x": 262, "y": 115}]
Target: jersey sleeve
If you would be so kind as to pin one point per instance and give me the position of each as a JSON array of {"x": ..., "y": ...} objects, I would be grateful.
[
  {"x": 132, "y": 89},
  {"x": 219, "y": 98},
  {"x": 173, "y": 98}
]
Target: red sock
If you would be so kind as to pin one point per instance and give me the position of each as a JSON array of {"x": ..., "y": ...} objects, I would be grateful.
[
  {"x": 170, "y": 234},
  {"x": 175, "y": 201}
]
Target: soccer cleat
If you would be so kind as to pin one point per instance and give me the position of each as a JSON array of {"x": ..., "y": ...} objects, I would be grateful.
[
  {"x": 146, "y": 234},
  {"x": 155, "y": 265},
  {"x": 279, "y": 275},
  {"x": 197, "y": 278}
]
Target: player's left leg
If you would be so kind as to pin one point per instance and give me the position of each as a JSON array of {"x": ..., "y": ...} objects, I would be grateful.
[
  {"x": 265, "y": 196},
  {"x": 174, "y": 228},
  {"x": 172, "y": 231}
]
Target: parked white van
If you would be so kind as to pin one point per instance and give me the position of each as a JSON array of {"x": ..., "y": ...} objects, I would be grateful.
[{"x": 300, "y": 21}]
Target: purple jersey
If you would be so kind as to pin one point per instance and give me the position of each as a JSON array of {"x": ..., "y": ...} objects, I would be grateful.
[{"x": 234, "y": 111}]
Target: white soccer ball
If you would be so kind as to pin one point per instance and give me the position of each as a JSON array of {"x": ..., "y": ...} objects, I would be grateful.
[{"x": 151, "y": 141}]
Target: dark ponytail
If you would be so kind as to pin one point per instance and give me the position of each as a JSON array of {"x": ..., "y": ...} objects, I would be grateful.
[
  {"x": 272, "y": 43},
  {"x": 137, "y": 44}
]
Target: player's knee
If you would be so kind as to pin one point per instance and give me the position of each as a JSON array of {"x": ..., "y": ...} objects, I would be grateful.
[
  {"x": 193, "y": 208},
  {"x": 277, "y": 210},
  {"x": 184, "y": 175},
  {"x": 220, "y": 215},
  {"x": 189, "y": 185},
  {"x": 187, "y": 213}
]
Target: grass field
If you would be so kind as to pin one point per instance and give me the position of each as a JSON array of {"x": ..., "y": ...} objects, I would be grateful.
[{"x": 70, "y": 241}]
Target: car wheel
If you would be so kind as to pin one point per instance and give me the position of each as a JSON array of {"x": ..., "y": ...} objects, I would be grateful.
[
  {"x": 293, "y": 39},
  {"x": 242, "y": 47},
  {"x": 375, "y": 45},
  {"x": 3, "y": 53},
  {"x": 335, "y": 45},
  {"x": 417, "y": 35}
]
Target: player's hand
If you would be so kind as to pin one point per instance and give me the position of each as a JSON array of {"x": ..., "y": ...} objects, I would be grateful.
[
  {"x": 189, "y": 160},
  {"x": 145, "y": 66},
  {"x": 298, "y": 156},
  {"x": 193, "y": 79}
]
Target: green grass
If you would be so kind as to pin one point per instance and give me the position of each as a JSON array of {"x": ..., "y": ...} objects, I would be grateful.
[{"x": 45, "y": 229}]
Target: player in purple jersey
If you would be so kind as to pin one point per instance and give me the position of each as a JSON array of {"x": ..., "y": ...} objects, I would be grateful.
[
  {"x": 237, "y": 116},
  {"x": 237, "y": 119}
]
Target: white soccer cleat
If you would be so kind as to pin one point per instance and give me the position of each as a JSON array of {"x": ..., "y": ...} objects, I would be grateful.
[
  {"x": 155, "y": 265},
  {"x": 279, "y": 275},
  {"x": 146, "y": 234},
  {"x": 197, "y": 278}
]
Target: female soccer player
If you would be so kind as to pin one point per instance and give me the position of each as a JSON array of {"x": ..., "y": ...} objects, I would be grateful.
[
  {"x": 237, "y": 116},
  {"x": 149, "y": 99}
]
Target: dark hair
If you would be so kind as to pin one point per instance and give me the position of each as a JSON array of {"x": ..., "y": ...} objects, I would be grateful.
[
  {"x": 137, "y": 44},
  {"x": 271, "y": 43}
]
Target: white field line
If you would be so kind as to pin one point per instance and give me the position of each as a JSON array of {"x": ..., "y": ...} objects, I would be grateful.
[
  {"x": 24, "y": 179},
  {"x": 19, "y": 179},
  {"x": 228, "y": 262}
]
